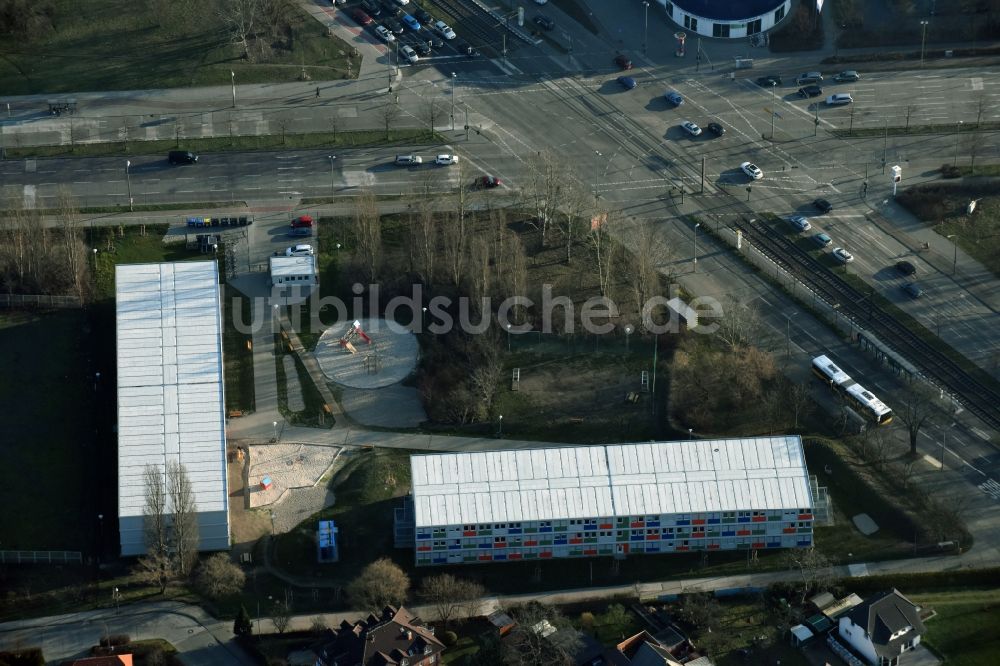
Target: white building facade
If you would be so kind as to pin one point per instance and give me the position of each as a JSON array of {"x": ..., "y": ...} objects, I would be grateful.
[
  {"x": 726, "y": 19},
  {"x": 171, "y": 401},
  {"x": 623, "y": 499}
]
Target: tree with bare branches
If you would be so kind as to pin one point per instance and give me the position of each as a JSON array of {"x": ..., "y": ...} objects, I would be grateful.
[
  {"x": 813, "y": 568},
  {"x": 184, "y": 523},
  {"x": 380, "y": 583},
  {"x": 388, "y": 113},
  {"x": 604, "y": 252},
  {"x": 431, "y": 113},
  {"x": 240, "y": 17},
  {"x": 451, "y": 597},
  {"x": 156, "y": 566},
  {"x": 368, "y": 235},
  {"x": 915, "y": 408},
  {"x": 739, "y": 325}
]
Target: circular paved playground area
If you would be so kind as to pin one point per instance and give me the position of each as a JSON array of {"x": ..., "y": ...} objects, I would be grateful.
[{"x": 389, "y": 357}]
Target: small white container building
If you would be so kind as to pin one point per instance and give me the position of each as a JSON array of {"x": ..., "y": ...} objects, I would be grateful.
[
  {"x": 612, "y": 500},
  {"x": 171, "y": 402},
  {"x": 293, "y": 277}
]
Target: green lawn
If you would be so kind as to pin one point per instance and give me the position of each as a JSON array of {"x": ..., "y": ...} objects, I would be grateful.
[
  {"x": 121, "y": 45},
  {"x": 236, "y": 353},
  {"x": 49, "y": 445},
  {"x": 964, "y": 630}
]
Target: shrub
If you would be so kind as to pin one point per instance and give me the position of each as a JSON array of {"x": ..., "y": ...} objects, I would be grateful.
[{"x": 449, "y": 638}]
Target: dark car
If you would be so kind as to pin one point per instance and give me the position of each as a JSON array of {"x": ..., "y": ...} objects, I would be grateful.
[
  {"x": 623, "y": 62},
  {"x": 391, "y": 9},
  {"x": 423, "y": 16},
  {"x": 769, "y": 81},
  {"x": 361, "y": 17},
  {"x": 181, "y": 157},
  {"x": 433, "y": 40},
  {"x": 716, "y": 129},
  {"x": 300, "y": 232},
  {"x": 394, "y": 26},
  {"x": 810, "y": 91},
  {"x": 421, "y": 46},
  {"x": 371, "y": 8},
  {"x": 462, "y": 46},
  {"x": 913, "y": 290},
  {"x": 905, "y": 268},
  {"x": 545, "y": 22},
  {"x": 487, "y": 182},
  {"x": 821, "y": 239},
  {"x": 627, "y": 82},
  {"x": 822, "y": 205}
]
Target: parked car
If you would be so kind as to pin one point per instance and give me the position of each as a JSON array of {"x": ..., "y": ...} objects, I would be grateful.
[
  {"x": 423, "y": 16},
  {"x": 444, "y": 30},
  {"x": 394, "y": 26},
  {"x": 402, "y": 2},
  {"x": 809, "y": 77},
  {"x": 422, "y": 47},
  {"x": 716, "y": 129},
  {"x": 299, "y": 251},
  {"x": 627, "y": 82},
  {"x": 847, "y": 75},
  {"x": 752, "y": 170},
  {"x": 544, "y": 22},
  {"x": 302, "y": 221},
  {"x": 446, "y": 160},
  {"x": 182, "y": 157},
  {"x": 623, "y": 62},
  {"x": 913, "y": 290},
  {"x": 433, "y": 40},
  {"x": 674, "y": 97},
  {"x": 842, "y": 255},
  {"x": 301, "y": 231},
  {"x": 905, "y": 268},
  {"x": 822, "y": 205},
  {"x": 408, "y": 160},
  {"x": 411, "y": 23},
  {"x": 800, "y": 222},
  {"x": 370, "y": 7},
  {"x": 839, "y": 99},
  {"x": 487, "y": 182},
  {"x": 463, "y": 47},
  {"x": 690, "y": 128},
  {"x": 822, "y": 239},
  {"x": 391, "y": 9},
  {"x": 410, "y": 55},
  {"x": 810, "y": 91},
  {"x": 387, "y": 36},
  {"x": 769, "y": 81},
  {"x": 361, "y": 17}
]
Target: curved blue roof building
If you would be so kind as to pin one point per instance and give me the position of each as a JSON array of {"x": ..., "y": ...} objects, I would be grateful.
[{"x": 727, "y": 19}]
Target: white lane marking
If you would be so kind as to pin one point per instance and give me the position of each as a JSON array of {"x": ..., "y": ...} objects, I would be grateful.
[{"x": 977, "y": 83}]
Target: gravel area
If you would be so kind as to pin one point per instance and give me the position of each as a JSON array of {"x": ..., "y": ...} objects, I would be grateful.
[{"x": 290, "y": 466}]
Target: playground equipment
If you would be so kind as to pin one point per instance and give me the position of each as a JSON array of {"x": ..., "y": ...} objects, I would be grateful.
[{"x": 354, "y": 333}]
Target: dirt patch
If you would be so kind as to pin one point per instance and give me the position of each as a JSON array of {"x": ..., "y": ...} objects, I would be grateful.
[{"x": 245, "y": 525}]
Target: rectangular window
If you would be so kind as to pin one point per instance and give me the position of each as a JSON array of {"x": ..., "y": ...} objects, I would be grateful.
[
  {"x": 753, "y": 27},
  {"x": 691, "y": 23},
  {"x": 720, "y": 30},
  {"x": 779, "y": 13},
  {"x": 670, "y": 9}
]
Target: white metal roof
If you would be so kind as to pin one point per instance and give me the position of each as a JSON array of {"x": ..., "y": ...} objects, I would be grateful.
[
  {"x": 611, "y": 480},
  {"x": 170, "y": 391},
  {"x": 292, "y": 266}
]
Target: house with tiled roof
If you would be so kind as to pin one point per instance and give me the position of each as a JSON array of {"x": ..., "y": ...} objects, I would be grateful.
[
  {"x": 396, "y": 637},
  {"x": 882, "y": 628}
]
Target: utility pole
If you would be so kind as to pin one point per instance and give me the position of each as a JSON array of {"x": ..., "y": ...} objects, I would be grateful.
[
  {"x": 645, "y": 27},
  {"x": 128, "y": 181},
  {"x": 232, "y": 75},
  {"x": 453, "y": 77},
  {"x": 923, "y": 40}
]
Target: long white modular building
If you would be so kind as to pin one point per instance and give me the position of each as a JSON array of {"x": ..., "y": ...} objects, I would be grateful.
[
  {"x": 171, "y": 402},
  {"x": 584, "y": 501}
]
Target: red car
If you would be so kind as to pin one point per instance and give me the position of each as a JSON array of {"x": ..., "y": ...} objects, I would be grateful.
[
  {"x": 302, "y": 221},
  {"x": 361, "y": 17},
  {"x": 623, "y": 62},
  {"x": 487, "y": 182}
]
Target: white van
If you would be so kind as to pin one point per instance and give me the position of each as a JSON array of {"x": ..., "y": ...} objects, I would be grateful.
[
  {"x": 299, "y": 251},
  {"x": 839, "y": 99}
]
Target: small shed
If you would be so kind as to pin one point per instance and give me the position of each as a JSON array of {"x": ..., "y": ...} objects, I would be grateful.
[
  {"x": 293, "y": 278},
  {"x": 800, "y": 635},
  {"x": 819, "y": 623},
  {"x": 326, "y": 542}
]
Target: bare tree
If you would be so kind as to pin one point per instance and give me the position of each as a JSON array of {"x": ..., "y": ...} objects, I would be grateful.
[
  {"x": 909, "y": 111},
  {"x": 431, "y": 113},
  {"x": 454, "y": 247},
  {"x": 800, "y": 402},
  {"x": 240, "y": 17},
  {"x": 424, "y": 240},
  {"x": 647, "y": 250},
  {"x": 528, "y": 645},
  {"x": 812, "y": 567},
  {"x": 604, "y": 251},
  {"x": 156, "y": 566},
  {"x": 915, "y": 407},
  {"x": 281, "y": 616},
  {"x": 154, "y": 569},
  {"x": 388, "y": 113},
  {"x": 73, "y": 250},
  {"x": 577, "y": 205},
  {"x": 545, "y": 189},
  {"x": 219, "y": 577},
  {"x": 451, "y": 597},
  {"x": 701, "y": 610},
  {"x": 380, "y": 583},
  {"x": 184, "y": 519},
  {"x": 739, "y": 325},
  {"x": 487, "y": 374},
  {"x": 368, "y": 235}
]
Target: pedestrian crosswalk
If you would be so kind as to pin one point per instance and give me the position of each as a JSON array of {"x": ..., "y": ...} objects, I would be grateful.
[{"x": 991, "y": 488}]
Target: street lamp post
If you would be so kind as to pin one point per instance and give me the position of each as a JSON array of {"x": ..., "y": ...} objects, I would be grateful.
[
  {"x": 958, "y": 131},
  {"x": 232, "y": 75},
  {"x": 774, "y": 101},
  {"x": 923, "y": 40},
  {"x": 274, "y": 426},
  {"x": 508, "y": 338},
  {"x": 690, "y": 433},
  {"x": 128, "y": 183},
  {"x": 332, "y": 158},
  {"x": 500, "y": 431},
  {"x": 272, "y": 523},
  {"x": 100, "y": 535},
  {"x": 694, "y": 235},
  {"x": 453, "y": 77},
  {"x": 954, "y": 258},
  {"x": 628, "y": 333},
  {"x": 117, "y": 597},
  {"x": 645, "y": 25}
]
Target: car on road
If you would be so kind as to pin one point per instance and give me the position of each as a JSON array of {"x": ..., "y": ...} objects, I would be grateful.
[
  {"x": 444, "y": 30},
  {"x": 623, "y": 62},
  {"x": 626, "y": 82},
  {"x": 402, "y": 2},
  {"x": 423, "y": 15},
  {"x": 433, "y": 40},
  {"x": 299, "y": 251},
  {"x": 769, "y": 81},
  {"x": 302, "y": 221},
  {"x": 822, "y": 205},
  {"x": 411, "y": 23},
  {"x": 301, "y": 231},
  {"x": 422, "y": 47},
  {"x": 839, "y": 99},
  {"x": 752, "y": 170},
  {"x": 387, "y": 36},
  {"x": 847, "y": 75},
  {"x": 716, "y": 129},
  {"x": 394, "y": 26},
  {"x": 809, "y": 77},
  {"x": 360, "y": 17},
  {"x": 544, "y": 22},
  {"x": 905, "y": 268},
  {"x": 487, "y": 182},
  {"x": 182, "y": 157},
  {"x": 370, "y": 7},
  {"x": 690, "y": 128},
  {"x": 822, "y": 239},
  {"x": 810, "y": 91},
  {"x": 800, "y": 222},
  {"x": 842, "y": 255},
  {"x": 674, "y": 97},
  {"x": 446, "y": 160},
  {"x": 390, "y": 9},
  {"x": 408, "y": 160},
  {"x": 913, "y": 290},
  {"x": 410, "y": 55}
]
